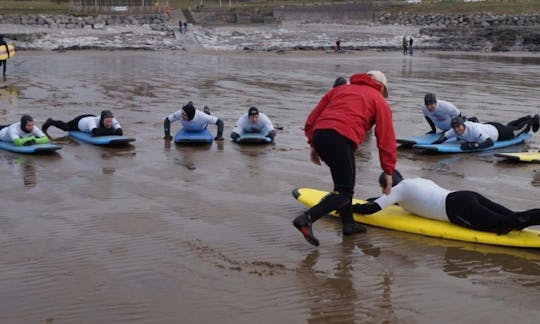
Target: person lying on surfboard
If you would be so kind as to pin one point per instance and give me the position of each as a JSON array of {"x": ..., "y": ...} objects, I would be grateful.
[
  {"x": 23, "y": 133},
  {"x": 104, "y": 125},
  {"x": 253, "y": 122},
  {"x": 484, "y": 135},
  {"x": 193, "y": 120},
  {"x": 469, "y": 209}
]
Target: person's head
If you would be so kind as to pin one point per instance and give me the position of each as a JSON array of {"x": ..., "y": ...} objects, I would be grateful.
[
  {"x": 27, "y": 123},
  {"x": 458, "y": 125},
  {"x": 340, "y": 81},
  {"x": 430, "y": 100},
  {"x": 106, "y": 119},
  {"x": 188, "y": 111},
  {"x": 253, "y": 115},
  {"x": 396, "y": 178},
  {"x": 380, "y": 78}
]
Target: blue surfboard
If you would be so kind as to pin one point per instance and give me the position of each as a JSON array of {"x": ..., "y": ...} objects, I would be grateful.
[
  {"x": 30, "y": 149},
  {"x": 253, "y": 138},
  {"x": 193, "y": 137},
  {"x": 455, "y": 146},
  {"x": 100, "y": 140},
  {"x": 419, "y": 139}
]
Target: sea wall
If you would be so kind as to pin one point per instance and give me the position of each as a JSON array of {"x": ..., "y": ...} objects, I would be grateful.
[
  {"x": 155, "y": 21},
  {"x": 457, "y": 20}
]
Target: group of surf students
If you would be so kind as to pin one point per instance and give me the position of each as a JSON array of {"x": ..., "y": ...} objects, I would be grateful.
[
  {"x": 25, "y": 133},
  {"x": 334, "y": 130},
  {"x": 191, "y": 119},
  {"x": 338, "y": 124},
  {"x": 447, "y": 117}
]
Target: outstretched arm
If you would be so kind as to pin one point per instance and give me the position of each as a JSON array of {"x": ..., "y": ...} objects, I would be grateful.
[
  {"x": 432, "y": 125},
  {"x": 441, "y": 139},
  {"x": 367, "y": 208},
  {"x": 167, "y": 129},
  {"x": 219, "y": 136}
]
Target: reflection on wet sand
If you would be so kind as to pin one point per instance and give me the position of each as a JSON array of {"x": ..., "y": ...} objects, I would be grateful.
[{"x": 334, "y": 297}]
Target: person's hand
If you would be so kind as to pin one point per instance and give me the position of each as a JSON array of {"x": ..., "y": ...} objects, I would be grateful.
[
  {"x": 388, "y": 189},
  {"x": 167, "y": 137},
  {"x": 314, "y": 156},
  {"x": 469, "y": 146},
  {"x": 234, "y": 136},
  {"x": 30, "y": 142},
  {"x": 440, "y": 140},
  {"x": 218, "y": 138}
]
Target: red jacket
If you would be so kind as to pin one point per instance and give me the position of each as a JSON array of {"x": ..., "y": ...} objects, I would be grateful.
[{"x": 351, "y": 110}]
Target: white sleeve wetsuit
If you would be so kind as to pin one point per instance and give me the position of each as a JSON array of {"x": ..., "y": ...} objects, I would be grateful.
[{"x": 465, "y": 208}]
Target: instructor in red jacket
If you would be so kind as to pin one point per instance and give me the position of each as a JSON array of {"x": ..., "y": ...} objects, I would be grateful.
[{"x": 334, "y": 129}]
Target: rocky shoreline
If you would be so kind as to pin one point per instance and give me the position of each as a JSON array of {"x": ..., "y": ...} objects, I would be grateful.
[{"x": 482, "y": 32}]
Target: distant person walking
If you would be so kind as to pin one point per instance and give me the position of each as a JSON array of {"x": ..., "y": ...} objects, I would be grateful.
[
  {"x": 180, "y": 26},
  {"x": 405, "y": 44},
  {"x": 410, "y": 45},
  {"x": 185, "y": 27}
]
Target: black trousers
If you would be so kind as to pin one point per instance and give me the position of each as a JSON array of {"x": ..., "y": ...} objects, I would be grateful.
[
  {"x": 72, "y": 125},
  {"x": 471, "y": 209},
  {"x": 338, "y": 153}
]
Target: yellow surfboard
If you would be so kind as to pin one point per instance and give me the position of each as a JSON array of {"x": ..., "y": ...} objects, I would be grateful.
[
  {"x": 521, "y": 156},
  {"x": 3, "y": 52},
  {"x": 396, "y": 218}
]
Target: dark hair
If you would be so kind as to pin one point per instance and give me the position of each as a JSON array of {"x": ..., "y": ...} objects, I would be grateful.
[
  {"x": 104, "y": 114},
  {"x": 457, "y": 121},
  {"x": 396, "y": 178},
  {"x": 189, "y": 110},
  {"x": 253, "y": 111},
  {"x": 24, "y": 121},
  {"x": 430, "y": 98},
  {"x": 340, "y": 81}
]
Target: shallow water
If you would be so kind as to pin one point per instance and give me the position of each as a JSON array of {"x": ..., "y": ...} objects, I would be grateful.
[{"x": 158, "y": 233}]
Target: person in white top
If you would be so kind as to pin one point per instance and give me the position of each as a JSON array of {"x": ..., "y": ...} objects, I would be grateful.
[
  {"x": 469, "y": 209},
  {"x": 479, "y": 136},
  {"x": 438, "y": 113},
  {"x": 23, "y": 133},
  {"x": 103, "y": 125},
  {"x": 253, "y": 122},
  {"x": 193, "y": 120}
]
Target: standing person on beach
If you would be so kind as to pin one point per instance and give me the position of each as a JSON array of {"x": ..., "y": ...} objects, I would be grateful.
[
  {"x": 405, "y": 44},
  {"x": 180, "y": 26},
  {"x": 410, "y": 45},
  {"x": 334, "y": 129},
  {"x": 3, "y": 62}
]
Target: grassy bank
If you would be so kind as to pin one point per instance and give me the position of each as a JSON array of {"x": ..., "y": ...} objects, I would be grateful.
[
  {"x": 427, "y": 6},
  {"x": 34, "y": 7}
]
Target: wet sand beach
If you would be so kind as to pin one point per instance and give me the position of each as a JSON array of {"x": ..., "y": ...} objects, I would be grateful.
[{"x": 157, "y": 233}]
